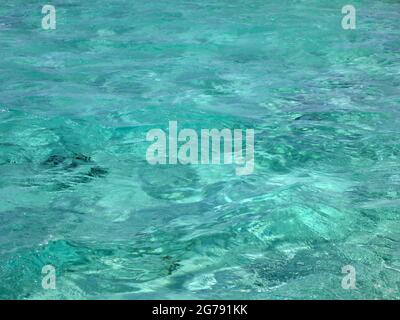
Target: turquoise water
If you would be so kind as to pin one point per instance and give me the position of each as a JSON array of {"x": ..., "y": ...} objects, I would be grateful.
[{"x": 77, "y": 193}]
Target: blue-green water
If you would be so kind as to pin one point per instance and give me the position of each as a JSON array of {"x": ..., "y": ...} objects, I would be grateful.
[{"x": 77, "y": 193}]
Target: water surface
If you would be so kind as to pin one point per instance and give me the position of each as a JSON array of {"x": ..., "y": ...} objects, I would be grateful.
[{"x": 76, "y": 191}]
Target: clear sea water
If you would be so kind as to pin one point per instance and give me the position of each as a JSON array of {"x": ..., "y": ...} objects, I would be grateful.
[{"x": 77, "y": 193}]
